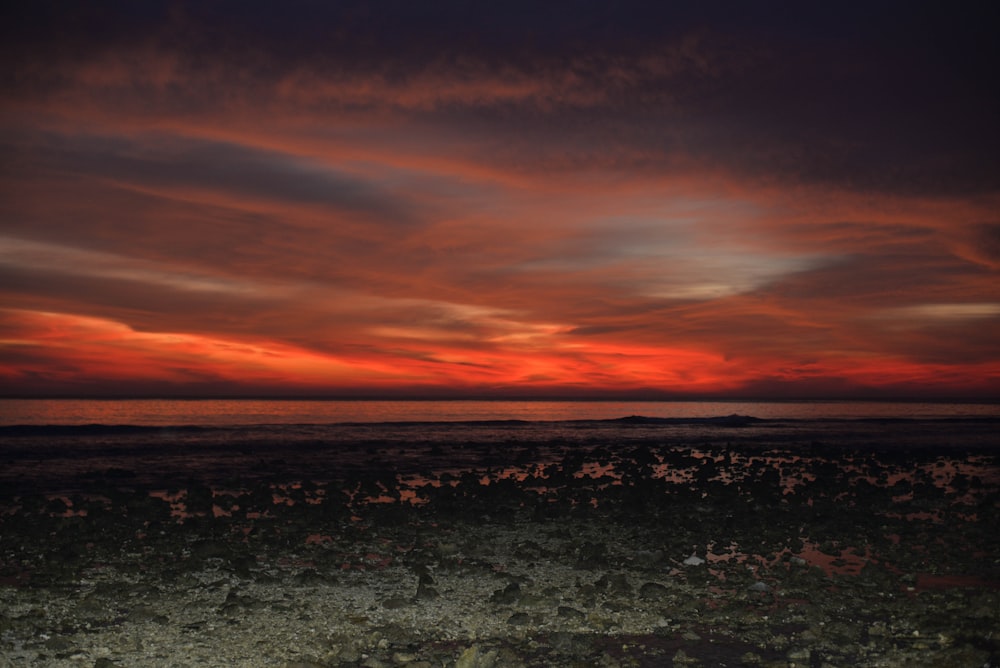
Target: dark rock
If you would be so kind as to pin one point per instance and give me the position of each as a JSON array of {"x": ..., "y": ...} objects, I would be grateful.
[
  {"x": 519, "y": 619},
  {"x": 567, "y": 612},
  {"x": 590, "y": 556},
  {"x": 653, "y": 591},
  {"x": 509, "y": 595},
  {"x": 425, "y": 592},
  {"x": 58, "y": 643},
  {"x": 396, "y": 602}
]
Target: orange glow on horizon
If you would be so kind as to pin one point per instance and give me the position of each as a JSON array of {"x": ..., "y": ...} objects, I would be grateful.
[{"x": 105, "y": 353}]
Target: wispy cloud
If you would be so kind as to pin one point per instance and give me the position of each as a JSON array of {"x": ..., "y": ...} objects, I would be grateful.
[{"x": 579, "y": 200}]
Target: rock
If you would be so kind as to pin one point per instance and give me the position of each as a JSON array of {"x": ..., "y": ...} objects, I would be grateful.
[
  {"x": 878, "y": 629},
  {"x": 508, "y": 595},
  {"x": 649, "y": 558},
  {"x": 425, "y": 592},
  {"x": 591, "y": 555},
  {"x": 799, "y": 654},
  {"x": 474, "y": 657},
  {"x": 103, "y": 662},
  {"x": 395, "y": 603},
  {"x": 519, "y": 619},
  {"x": 759, "y": 587},
  {"x": 567, "y": 612},
  {"x": 58, "y": 643},
  {"x": 616, "y": 583},
  {"x": 571, "y": 643},
  {"x": 653, "y": 591},
  {"x": 682, "y": 659},
  {"x": 693, "y": 560}
]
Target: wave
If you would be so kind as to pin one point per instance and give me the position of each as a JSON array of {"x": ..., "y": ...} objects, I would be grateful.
[
  {"x": 97, "y": 429},
  {"x": 723, "y": 421}
]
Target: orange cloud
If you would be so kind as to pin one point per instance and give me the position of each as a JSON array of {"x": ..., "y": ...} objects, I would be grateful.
[
  {"x": 576, "y": 222},
  {"x": 47, "y": 350}
]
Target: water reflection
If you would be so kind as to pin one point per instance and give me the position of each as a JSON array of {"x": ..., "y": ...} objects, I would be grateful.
[{"x": 234, "y": 412}]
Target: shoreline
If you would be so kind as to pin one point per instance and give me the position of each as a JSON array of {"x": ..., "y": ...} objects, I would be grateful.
[{"x": 539, "y": 553}]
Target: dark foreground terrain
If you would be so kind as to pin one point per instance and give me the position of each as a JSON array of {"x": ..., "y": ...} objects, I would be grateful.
[{"x": 646, "y": 553}]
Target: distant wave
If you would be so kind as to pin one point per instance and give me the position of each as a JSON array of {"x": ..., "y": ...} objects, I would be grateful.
[
  {"x": 733, "y": 421},
  {"x": 720, "y": 421},
  {"x": 95, "y": 429}
]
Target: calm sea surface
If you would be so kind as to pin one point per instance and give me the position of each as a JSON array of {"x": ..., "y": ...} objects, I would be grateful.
[
  {"x": 64, "y": 444},
  {"x": 246, "y": 412}
]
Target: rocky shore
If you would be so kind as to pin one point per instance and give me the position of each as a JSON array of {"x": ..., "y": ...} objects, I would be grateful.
[{"x": 640, "y": 555}]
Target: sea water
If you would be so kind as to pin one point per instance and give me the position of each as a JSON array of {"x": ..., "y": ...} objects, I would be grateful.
[
  {"x": 66, "y": 444},
  {"x": 248, "y": 412}
]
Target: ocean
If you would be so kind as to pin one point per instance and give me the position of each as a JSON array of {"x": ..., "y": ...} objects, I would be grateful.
[
  {"x": 62, "y": 445},
  {"x": 248, "y": 412}
]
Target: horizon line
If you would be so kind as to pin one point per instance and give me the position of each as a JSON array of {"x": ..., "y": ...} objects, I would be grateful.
[{"x": 511, "y": 398}]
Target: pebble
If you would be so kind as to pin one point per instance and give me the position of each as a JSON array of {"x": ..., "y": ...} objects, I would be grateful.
[{"x": 693, "y": 560}]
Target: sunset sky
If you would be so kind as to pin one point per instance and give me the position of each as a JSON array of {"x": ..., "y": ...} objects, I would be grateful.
[{"x": 518, "y": 199}]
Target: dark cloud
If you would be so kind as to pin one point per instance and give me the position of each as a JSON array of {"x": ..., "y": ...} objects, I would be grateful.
[
  {"x": 164, "y": 162},
  {"x": 873, "y": 281},
  {"x": 886, "y": 97}
]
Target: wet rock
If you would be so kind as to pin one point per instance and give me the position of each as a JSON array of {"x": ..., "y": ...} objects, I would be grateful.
[
  {"x": 590, "y": 556},
  {"x": 509, "y": 595},
  {"x": 374, "y": 662},
  {"x": 396, "y": 602},
  {"x": 649, "y": 558},
  {"x": 572, "y": 644},
  {"x": 653, "y": 591},
  {"x": 519, "y": 619},
  {"x": 311, "y": 577},
  {"x": 102, "y": 662},
  {"x": 566, "y": 612},
  {"x": 147, "y": 613},
  {"x": 615, "y": 583},
  {"x": 58, "y": 643},
  {"x": 681, "y": 658},
  {"x": 475, "y": 657},
  {"x": 425, "y": 592},
  {"x": 799, "y": 655}
]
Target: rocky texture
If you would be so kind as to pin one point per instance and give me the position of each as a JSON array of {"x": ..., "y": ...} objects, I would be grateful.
[{"x": 629, "y": 556}]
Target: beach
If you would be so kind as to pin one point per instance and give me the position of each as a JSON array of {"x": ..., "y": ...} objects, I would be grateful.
[{"x": 724, "y": 541}]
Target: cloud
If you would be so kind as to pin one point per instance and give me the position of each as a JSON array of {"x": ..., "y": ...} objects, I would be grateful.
[
  {"x": 183, "y": 165},
  {"x": 629, "y": 197},
  {"x": 807, "y": 97}
]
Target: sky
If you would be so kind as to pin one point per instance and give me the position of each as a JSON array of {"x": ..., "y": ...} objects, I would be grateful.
[{"x": 518, "y": 199}]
